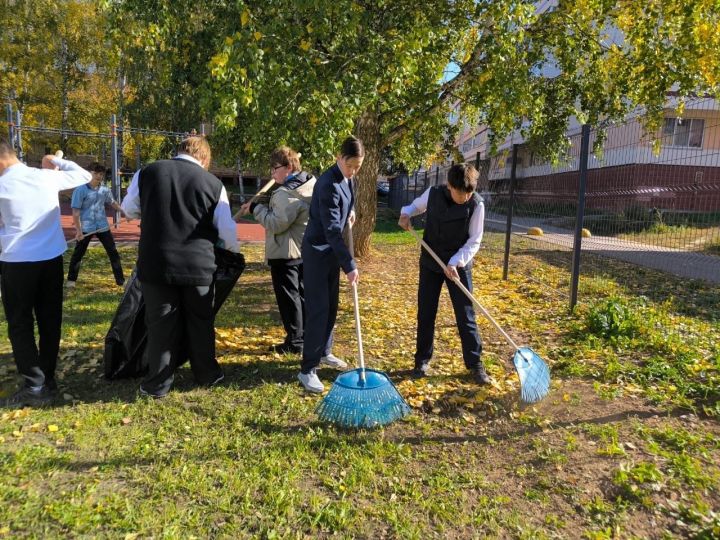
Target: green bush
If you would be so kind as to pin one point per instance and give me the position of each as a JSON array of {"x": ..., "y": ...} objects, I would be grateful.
[{"x": 612, "y": 319}]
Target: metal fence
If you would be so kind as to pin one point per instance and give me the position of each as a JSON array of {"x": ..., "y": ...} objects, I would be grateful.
[
  {"x": 106, "y": 147},
  {"x": 651, "y": 199}
]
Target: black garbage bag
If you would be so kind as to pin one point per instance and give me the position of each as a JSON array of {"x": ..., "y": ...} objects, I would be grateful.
[{"x": 125, "y": 341}]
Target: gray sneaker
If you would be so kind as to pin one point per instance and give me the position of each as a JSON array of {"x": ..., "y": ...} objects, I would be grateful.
[
  {"x": 333, "y": 361},
  {"x": 29, "y": 397},
  {"x": 69, "y": 284},
  {"x": 311, "y": 382}
]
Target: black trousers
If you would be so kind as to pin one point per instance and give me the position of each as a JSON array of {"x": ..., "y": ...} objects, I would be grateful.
[
  {"x": 34, "y": 291},
  {"x": 180, "y": 323},
  {"x": 431, "y": 283},
  {"x": 322, "y": 293},
  {"x": 108, "y": 242},
  {"x": 287, "y": 280}
]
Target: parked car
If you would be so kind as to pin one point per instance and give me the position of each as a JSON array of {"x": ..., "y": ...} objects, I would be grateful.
[{"x": 383, "y": 188}]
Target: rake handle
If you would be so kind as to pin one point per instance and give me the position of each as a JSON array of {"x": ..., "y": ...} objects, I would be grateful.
[
  {"x": 255, "y": 197},
  {"x": 356, "y": 307},
  {"x": 267, "y": 186},
  {"x": 462, "y": 287},
  {"x": 104, "y": 229}
]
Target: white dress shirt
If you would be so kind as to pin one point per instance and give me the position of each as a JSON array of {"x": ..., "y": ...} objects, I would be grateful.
[
  {"x": 465, "y": 254},
  {"x": 222, "y": 217},
  {"x": 30, "y": 229}
]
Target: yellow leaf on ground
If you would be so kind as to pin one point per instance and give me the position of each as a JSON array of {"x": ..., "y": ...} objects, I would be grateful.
[{"x": 52, "y": 428}]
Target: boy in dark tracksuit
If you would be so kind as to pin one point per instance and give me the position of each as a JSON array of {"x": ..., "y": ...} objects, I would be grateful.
[{"x": 454, "y": 229}]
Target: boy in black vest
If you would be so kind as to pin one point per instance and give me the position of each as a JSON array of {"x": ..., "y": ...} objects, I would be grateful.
[
  {"x": 454, "y": 229},
  {"x": 185, "y": 212}
]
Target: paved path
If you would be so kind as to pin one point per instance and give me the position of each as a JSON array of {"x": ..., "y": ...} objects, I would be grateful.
[
  {"x": 129, "y": 232},
  {"x": 674, "y": 261}
]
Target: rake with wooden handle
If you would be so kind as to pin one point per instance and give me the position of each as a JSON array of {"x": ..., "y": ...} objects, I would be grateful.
[
  {"x": 532, "y": 370},
  {"x": 255, "y": 197},
  {"x": 362, "y": 397},
  {"x": 75, "y": 240}
]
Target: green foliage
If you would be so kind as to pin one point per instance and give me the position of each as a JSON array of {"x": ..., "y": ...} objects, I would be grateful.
[
  {"x": 612, "y": 318},
  {"x": 636, "y": 481},
  {"x": 308, "y": 73},
  {"x": 57, "y": 69}
]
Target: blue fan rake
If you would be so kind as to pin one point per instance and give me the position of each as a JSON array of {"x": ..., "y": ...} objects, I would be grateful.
[
  {"x": 362, "y": 398},
  {"x": 532, "y": 370}
]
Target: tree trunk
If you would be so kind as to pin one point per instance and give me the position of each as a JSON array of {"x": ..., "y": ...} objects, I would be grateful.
[{"x": 367, "y": 128}]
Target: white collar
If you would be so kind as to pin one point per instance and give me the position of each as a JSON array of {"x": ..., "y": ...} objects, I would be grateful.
[{"x": 188, "y": 157}]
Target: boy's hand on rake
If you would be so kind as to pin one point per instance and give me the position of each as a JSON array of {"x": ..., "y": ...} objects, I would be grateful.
[
  {"x": 353, "y": 277},
  {"x": 451, "y": 272},
  {"x": 404, "y": 222}
]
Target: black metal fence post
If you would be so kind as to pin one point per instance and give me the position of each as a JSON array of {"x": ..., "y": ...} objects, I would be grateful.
[
  {"x": 511, "y": 204},
  {"x": 18, "y": 136},
  {"x": 115, "y": 176},
  {"x": 577, "y": 245},
  {"x": 11, "y": 124}
]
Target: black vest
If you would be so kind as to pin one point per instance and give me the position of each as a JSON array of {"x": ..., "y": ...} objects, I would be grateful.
[
  {"x": 177, "y": 202},
  {"x": 447, "y": 225}
]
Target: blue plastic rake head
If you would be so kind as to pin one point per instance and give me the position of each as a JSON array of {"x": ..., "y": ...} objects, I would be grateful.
[
  {"x": 356, "y": 403},
  {"x": 533, "y": 373}
]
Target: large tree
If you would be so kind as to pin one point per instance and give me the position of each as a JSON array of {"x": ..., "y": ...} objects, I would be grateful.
[
  {"x": 54, "y": 63},
  {"x": 309, "y": 72}
]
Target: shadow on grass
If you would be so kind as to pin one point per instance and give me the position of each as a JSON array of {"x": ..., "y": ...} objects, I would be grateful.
[{"x": 82, "y": 377}]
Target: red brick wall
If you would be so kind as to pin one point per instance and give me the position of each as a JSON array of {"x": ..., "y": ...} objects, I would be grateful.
[{"x": 668, "y": 187}]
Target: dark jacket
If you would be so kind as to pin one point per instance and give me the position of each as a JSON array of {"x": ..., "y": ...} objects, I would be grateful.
[
  {"x": 332, "y": 201},
  {"x": 177, "y": 235}
]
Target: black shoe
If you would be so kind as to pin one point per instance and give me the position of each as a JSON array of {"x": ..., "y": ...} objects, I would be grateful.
[
  {"x": 219, "y": 379},
  {"x": 29, "y": 397},
  {"x": 480, "y": 375},
  {"x": 286, "y": 348},
  {"x": 420, "y": 370},
  {"x": 52, "y": 386},
  {"x": 152, "y": 395}
]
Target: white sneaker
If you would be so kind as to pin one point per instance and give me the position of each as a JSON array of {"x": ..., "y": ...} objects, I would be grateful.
[
  {"x": 69, "y": 284},
  {"x": 333, "y": 361},
  {"x": 311, "y": 382}
]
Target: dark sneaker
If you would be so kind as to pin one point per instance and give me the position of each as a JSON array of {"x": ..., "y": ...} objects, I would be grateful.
[
  {"x": 480, "y": 375},
  {"x": 286, "y": 348},
  {"x": 29, "y": 397},
  {"x": 420, "y": 370},
  {"x": 146, "y": 393},
  {"x": 220, "y": 378}
]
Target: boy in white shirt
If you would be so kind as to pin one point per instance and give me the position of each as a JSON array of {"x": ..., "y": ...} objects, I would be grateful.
[
  {"x": 32, "y": 267},
  {"x": 453, "y": 230}
]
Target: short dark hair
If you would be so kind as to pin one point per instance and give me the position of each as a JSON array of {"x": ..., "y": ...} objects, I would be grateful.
[
  {"x": 284, "y": 156},
  {"x": 352, "y": 147},
  {"x": 463, "y": 177},
  {"x": 97, "y": 167},
  {"x": 6, "y": 149}
]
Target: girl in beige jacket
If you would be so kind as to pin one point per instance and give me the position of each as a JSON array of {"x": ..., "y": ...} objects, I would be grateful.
[{"x": 285, "y": 217}]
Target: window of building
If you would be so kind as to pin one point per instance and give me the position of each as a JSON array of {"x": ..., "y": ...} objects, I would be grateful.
[{"x": 686, "y": 132}]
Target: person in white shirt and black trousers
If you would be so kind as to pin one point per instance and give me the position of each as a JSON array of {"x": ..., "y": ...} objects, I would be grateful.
[
  {"x": 185, "y": 212},
  {"x": 453, "y": 230},
  {"x": 31, "y": 279}
]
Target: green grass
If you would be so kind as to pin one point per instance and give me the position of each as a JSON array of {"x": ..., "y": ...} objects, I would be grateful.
[{"x": 624, "y": 446}]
